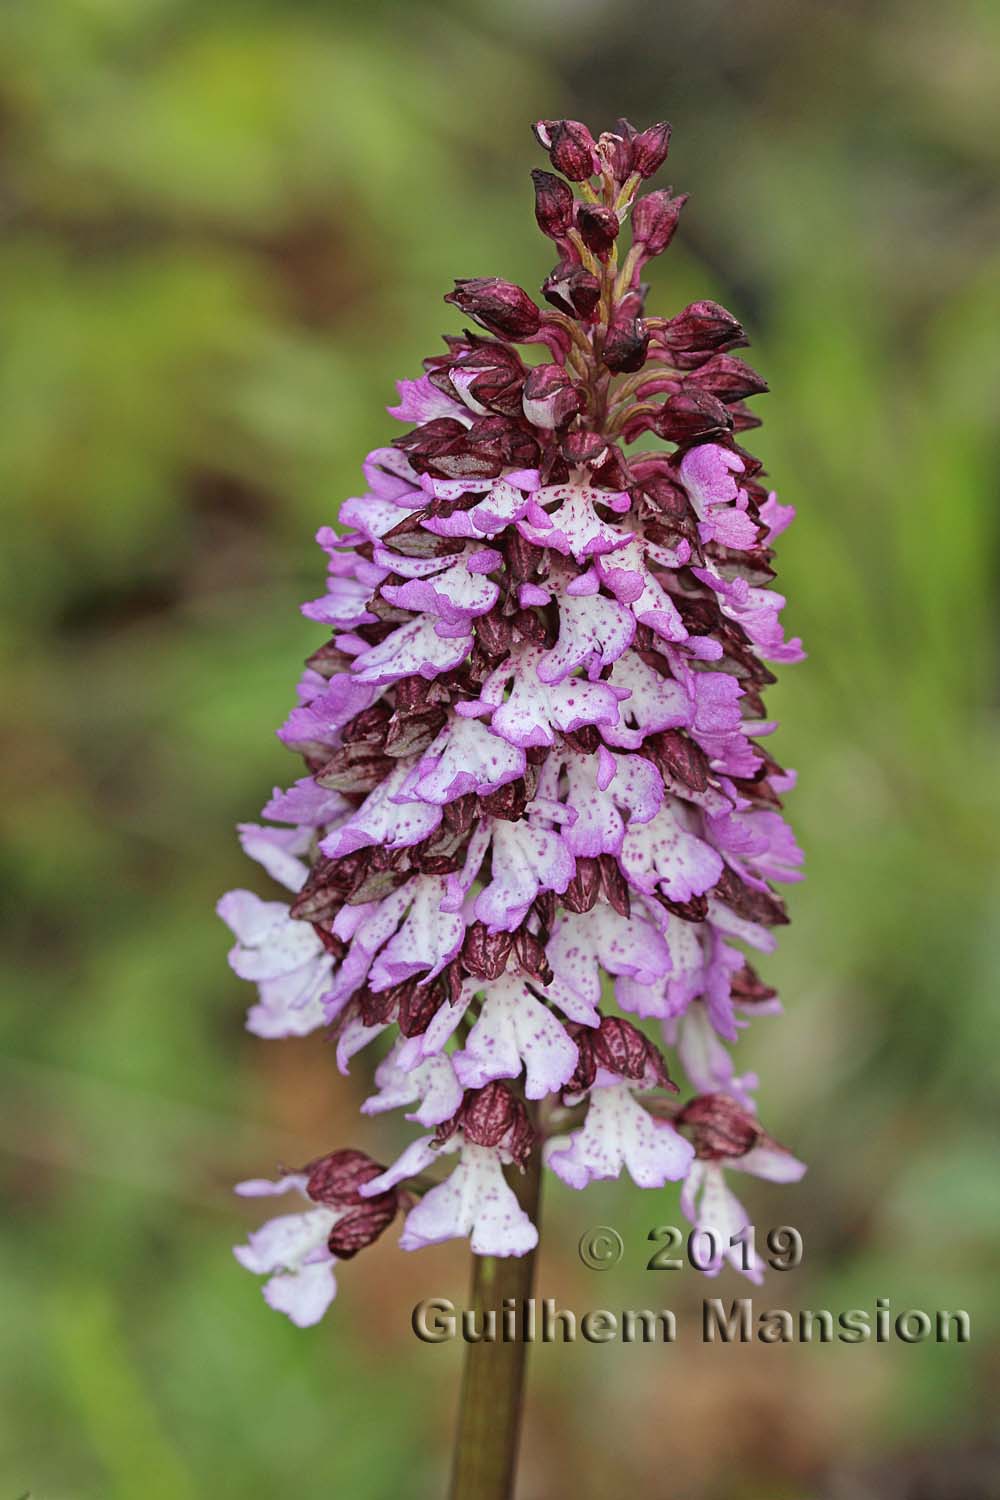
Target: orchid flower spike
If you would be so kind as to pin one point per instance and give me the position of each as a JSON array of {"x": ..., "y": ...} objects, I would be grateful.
[{"x": 538, "y": 834}]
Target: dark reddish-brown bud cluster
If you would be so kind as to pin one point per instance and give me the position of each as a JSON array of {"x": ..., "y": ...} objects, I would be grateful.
[
  {"x": 697, "y": 332},
  {"x": 334, "y": 1181},
  {"x": 492, "y": 1116},
  {"x": 618, "y": 1047},
  {"x": 563, "y": 414},
  {"x": 598, "y": 226},
  {"x": 720, "y": 1127}
]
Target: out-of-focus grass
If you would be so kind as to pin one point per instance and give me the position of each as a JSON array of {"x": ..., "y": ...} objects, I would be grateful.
[{"x": 228, "y": 230}]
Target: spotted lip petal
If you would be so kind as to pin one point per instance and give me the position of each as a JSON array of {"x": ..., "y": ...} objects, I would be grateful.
[
  {"x": 384, "y": 819},
  {"x": 477, "y": 1202},
  {"x": 535, "y": 712},
  {"x": 573, "y": 526},
  {"x": 526, "y": 861},
  {"x": 415, "y": 649},
  {"x": 456, "y": 595},
  {"x": 428, "y": 939},
  {"x": 594, "y": 631},
  {"x": 516, "y": 1032},
  {"x": 286, "y": 961},
  {"x": 291, "y": 1251},
  {"x": 617, "y": 1133},
  {"x": 431, "y": 1085},
  {"x": 465, "y": 757}
]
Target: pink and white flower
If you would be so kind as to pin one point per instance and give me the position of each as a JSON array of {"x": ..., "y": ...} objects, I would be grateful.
[{"x": 291, "y": 1252}]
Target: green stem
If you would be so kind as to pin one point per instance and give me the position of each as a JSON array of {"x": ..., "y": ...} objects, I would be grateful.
[{"x": 489, "y": 1410}]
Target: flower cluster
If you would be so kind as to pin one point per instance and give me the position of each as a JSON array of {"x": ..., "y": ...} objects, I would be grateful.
[{"x": 534, "y": 771}]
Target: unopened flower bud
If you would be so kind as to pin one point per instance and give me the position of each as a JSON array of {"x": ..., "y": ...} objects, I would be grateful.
[
  {"x": 572, "y": 290},
  {"x": 502, "y": 440},
  {"x": 654, "y": 219},
  {"x": 570, "y": 146},
  {"x": 425, "y": 443},
  {"x": 550, "y": 397},
  {"x": 744, "y": 420},
  {"x": 499, "y": 306},
  {"x": 701, "y": 326},
  {"x": 625, "y": 345},
  {"x": 554, "y": 204},
  {"x": 598, "y": 228},
  {"x": 487, "y": 377},
  {"x": 728, "y": 379},
  {"x": 691, "y": 414},
  {"x": 649, "y": 149}
]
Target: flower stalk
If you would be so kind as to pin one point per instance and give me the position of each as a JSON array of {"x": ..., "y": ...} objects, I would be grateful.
[{"x": 491, "y": 1397}]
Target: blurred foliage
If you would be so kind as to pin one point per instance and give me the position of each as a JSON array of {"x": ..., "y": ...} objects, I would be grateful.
[{"x": 227, "y": 232}]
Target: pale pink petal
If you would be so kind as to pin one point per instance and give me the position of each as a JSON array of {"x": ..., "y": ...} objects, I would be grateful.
[
  {"x": 428, "y": 939},
  {"x": 616, "y": 1133},
  {"x": 382, "y": 819},
  {"x": 666, "y": 853},
  {"x": 415, "y": 649},
  {"x": 515, "y": 1029},
  {"x": 279, "y": 851},
  {"x": 526, "y": 860},
  {"x": 593, "y": 632},
  {"x": 303, "y": 1295},
  {"x": 465, "y": 757},
  {"x": 476, "y": 1201}
]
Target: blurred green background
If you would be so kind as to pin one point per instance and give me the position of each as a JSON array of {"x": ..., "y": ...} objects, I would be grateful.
[{"x": 227, "y": 231}]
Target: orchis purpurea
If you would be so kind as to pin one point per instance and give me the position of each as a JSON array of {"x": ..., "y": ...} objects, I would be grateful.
[{"x": 536, "y": 803}]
